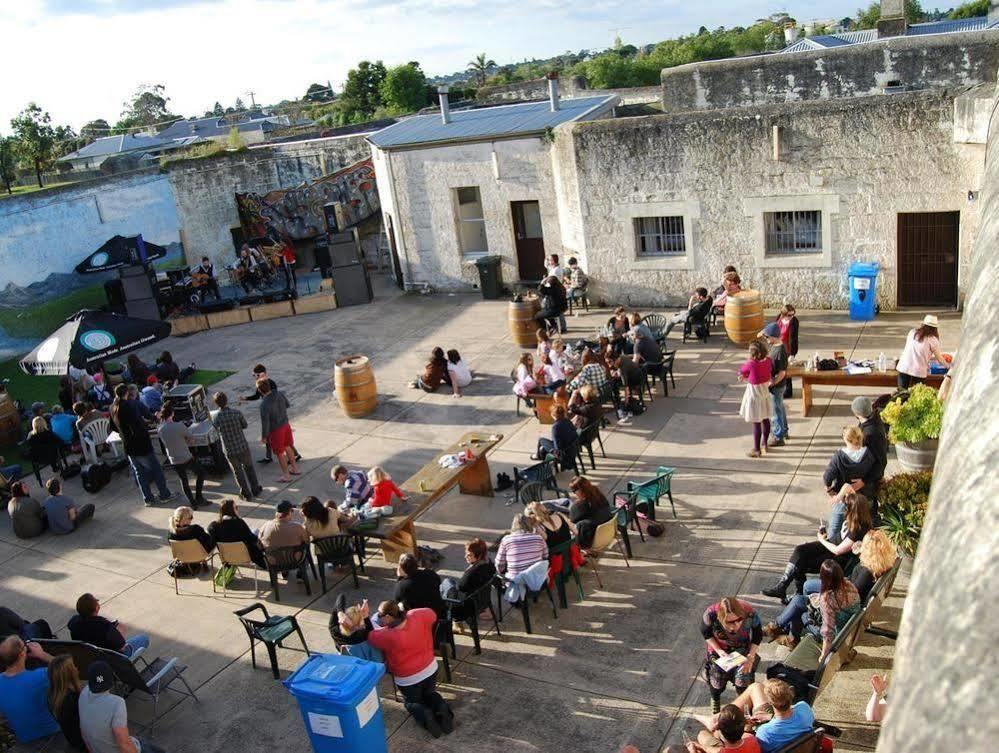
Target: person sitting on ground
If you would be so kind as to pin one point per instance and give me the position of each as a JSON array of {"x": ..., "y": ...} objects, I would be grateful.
[
  {"x": 458, "y": 371},
  {"x": 137, "y": 372},
  {"x": 479, "y": 574},
  {"x": 89, "y": 626},
  {"x": 383, "y": 487},
  {"x": 585, "y": 407},
  {"x": 104, "y": 717},
  {"x": 26, "y": 516},
  {"x": 729, "y": 734},
  {"x": 230, "y": 528},
  {"x": 11, "y": 623},
  {"x": 850, "y": 464},
  {"x": 358, "y": 490},
  {"x": 176, "y": 438},
  {"x": 169, "y": 372},
  {"x": 553, "y": 304},
  {"x": 434, "y": 373},
  {"x": 875, "y": 438},
  {"x": 406, "y": 638},
  {"x": 520, "y": 553},
  {"x": 418, "y": 587},
  {"x": 563, "y": 436},
  {"x": 588, "y": 510},
  {"x": 63, "y": 698},
  {"x": 350, "y": 627},
  {"x": 809, "y": 556},
  {"x": 61, "y": 512},
  {"x": 524, "y": 383},
  {"x": 877, "y": 705},
  {"x": 10, "y": 473},
  {"x": 44, "y": 447},
  {"x": 578, "y": 280},
  {"x": 99, "y": 394},
  {"x": 183, "y": 528},
  {"x": 731, "y": 626},
  {"x": 151, "y": 395},
  {"x": 320, "y": 521},
  {"x": 63, "y": 425},
  {"x": 22, "y": 691}
]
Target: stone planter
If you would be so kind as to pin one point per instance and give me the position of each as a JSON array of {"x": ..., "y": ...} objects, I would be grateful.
[{"x": 918, "y": 456}]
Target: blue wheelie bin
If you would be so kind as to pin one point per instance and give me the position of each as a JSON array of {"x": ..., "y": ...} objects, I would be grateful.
[
  {"x": 863, "y": 290},
  {"x": 338, "y": 698}
]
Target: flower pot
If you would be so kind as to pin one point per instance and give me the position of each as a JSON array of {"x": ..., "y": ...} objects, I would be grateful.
[{"x": 917, "y": 456}]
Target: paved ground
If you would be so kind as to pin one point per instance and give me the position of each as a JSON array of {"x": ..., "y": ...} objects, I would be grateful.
[{"x": 620, "y": 666}]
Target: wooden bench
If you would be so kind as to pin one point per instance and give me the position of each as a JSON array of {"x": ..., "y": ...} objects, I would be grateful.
[
  {"x": 839, "y": 377},
  {"x": 398, "y": 531}
]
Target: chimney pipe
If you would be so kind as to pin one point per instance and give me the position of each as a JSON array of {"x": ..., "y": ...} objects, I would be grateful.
[
  {"x": 553, "y": 90},
  {"x": 445, "y": 105}
]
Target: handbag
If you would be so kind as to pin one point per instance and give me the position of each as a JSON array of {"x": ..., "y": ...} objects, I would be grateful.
[{"x": 225, "y": 575}]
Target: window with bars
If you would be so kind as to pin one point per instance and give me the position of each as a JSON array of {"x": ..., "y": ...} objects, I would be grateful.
[
  {"x": 660, "y": 236},
  {"x": 795, "y": 232}
]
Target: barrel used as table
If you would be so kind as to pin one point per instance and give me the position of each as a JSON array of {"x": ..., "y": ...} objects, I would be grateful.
[
  {"x": 523, "y": 325},
  {"x": 354, "y": 380},
  {"x": 743, "y": 316}
]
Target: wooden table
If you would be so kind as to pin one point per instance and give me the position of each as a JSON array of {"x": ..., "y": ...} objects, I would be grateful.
[
  {"x": 398, "y": 531},
  {"x": 840, "y": 377}
]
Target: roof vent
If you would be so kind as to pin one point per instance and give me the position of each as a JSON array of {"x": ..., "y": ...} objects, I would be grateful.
[
  {"x": 442, "y": 92},
  {"x": 553, "y": 90}
]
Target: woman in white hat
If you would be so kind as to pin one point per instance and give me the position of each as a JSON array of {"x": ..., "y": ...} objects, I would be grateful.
[{"x": 921, "y": 344}]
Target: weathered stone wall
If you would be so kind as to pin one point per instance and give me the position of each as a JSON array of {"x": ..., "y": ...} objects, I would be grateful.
[
  {"x": 574, "y": 86},
  {"x": 861, "y": 161},
  {"x": 205, "y": 189},
  {"x": 925, "y": 62},
  {"x": 943, "y": 680}
]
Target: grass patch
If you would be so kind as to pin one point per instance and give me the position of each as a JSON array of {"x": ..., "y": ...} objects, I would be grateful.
[
  {"x": 20, "y": 190},
  {"x": 43, "y": 319}
]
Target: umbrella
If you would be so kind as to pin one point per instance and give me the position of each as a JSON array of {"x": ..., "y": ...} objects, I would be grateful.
[
  {"x": 89, "y": 337},
  {"x": 120, "y": 252}
]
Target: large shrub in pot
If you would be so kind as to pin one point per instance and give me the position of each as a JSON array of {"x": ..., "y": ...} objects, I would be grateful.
[
  {"x": 902, "y": 503},
  {"x": 915, "y": 416}
]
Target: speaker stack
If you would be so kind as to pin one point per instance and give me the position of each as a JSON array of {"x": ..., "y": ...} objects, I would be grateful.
[{"x": 138, "y": 287}]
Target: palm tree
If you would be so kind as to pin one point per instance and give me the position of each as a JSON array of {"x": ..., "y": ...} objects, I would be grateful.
[{"x": 480, "y": 66}]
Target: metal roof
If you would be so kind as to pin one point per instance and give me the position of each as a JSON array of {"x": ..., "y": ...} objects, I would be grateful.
[
  {"x": 828, "y": 41},
  {"x": 116, "y": 145},
  {"x": 501, "y": 121},
  {"x": 214, "y": 126}
]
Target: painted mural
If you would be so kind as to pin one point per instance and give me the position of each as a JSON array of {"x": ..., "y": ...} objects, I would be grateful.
[{"x": 298, "y": 212}]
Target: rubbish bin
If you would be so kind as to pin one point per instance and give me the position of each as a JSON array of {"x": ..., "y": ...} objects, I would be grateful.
[
  {"x": 338, "y": 698},
  {"x": 863, "y": 290},
  {"x": 490, "y": 277}
]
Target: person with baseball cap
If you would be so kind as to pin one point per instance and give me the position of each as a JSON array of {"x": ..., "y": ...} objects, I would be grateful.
[
  {"x": 283, "y": 530},
  {"x": 921, "y": 345},
  {"x": 103, "y": 716},
  {"x": 778, "y": 373}
]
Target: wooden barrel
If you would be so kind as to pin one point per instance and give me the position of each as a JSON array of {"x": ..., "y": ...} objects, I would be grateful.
[
  {"x": 523, "y": 325},
  {"x": 354, "y": 380},
  {"x": 744, "y": 316},
  {"x": 10, "y": 422}
]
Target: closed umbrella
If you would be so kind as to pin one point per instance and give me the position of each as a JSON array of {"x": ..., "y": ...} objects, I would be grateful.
[
  {"x": 120, "y": 252},
  {"x": 89, "y": 337}
]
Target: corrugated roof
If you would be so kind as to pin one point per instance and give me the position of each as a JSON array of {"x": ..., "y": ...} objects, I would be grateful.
[
  {"x": 489, "y": 122},
  {"x": 948, "y": 26},
  {"x": 828, "y": 41},
  {"x": 211, "y": 127},
  {"x": 116, "y": 145}
]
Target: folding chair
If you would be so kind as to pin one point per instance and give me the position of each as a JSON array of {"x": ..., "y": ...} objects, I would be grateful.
[
  {"x": 606, "y": 536},
  {"x": 235, "y": 554},
  {"x": 190, "y": 552},
  {"x": 270, "y": 631}
]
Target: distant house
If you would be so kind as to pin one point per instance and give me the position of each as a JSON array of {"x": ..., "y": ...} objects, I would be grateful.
[
  {"x": 96, "y": 153},
  {"x": 847, "y": 38},
  {"x": 253, "y": 126}
]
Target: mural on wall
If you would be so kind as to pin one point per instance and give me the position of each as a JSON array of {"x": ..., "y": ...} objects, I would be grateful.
[{"x": 298, "y": 212}]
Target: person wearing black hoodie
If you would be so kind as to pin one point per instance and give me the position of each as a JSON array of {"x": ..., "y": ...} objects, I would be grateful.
[
  {"x": 876, "y": 441},
  {"x": 850, "y": 464}
]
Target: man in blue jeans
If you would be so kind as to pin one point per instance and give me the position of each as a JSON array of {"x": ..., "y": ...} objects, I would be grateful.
[
  {"x": 89, "y": 626},
  {"x": 778, "y": 360},
  {"x": 138, "y": 446}
]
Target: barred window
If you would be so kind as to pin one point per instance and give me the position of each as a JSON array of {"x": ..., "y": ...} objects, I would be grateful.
[
  {"x": 797, "y": 232},
  {"x": 659, "y": 236}
]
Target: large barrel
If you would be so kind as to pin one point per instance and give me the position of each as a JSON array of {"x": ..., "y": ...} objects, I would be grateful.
[
  {"x": 354, "y": 380},
  {"x": 523, "y": 325},
  {"x": 743, "y": 316}
]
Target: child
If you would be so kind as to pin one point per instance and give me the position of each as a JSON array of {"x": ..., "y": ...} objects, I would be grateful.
[
  {"x": 458, "y": 371},
  {"x": 544, "y": 343},
  {"x": 788, "y": 322},
  {"x": 383, "y": 488},
  {"x": 554, "y": 377},
  {"x": 755, "y": 408},
  {"x": 524, "y": 383},
  {"x": 562, "y": 358}
]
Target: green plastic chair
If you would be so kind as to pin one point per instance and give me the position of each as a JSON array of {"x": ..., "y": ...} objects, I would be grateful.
[
  {"x": 561, "y": 578},
  {"x": 655, "y": 489}
]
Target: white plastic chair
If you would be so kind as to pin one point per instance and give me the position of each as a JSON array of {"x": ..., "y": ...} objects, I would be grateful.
[{"x": 93, "y": 434}]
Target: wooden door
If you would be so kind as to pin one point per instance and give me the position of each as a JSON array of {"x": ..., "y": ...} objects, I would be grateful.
[
  {"x": 530, "y": 240},
  {"x": 928, "y": 258}
]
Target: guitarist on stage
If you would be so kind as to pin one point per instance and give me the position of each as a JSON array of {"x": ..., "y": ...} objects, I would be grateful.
[{"x": 203, "y": 278}]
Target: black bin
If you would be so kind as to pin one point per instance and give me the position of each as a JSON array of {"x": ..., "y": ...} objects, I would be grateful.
[{"x": 490, "y": 277}]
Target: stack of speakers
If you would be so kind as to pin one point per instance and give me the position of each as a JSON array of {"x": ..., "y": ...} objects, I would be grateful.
[{"x": 138, "y": 288}]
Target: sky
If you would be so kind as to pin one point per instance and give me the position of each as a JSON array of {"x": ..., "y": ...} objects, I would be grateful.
[{"x": 82, "y": 59}]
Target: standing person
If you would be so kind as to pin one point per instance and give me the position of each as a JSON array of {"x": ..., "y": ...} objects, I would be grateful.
[
  {"x": 104, "y": 718},
  {"x": 22, "y": 690},
  {"x": 731, "y": 625},
  {"x": 555, "y": 270},
  {"x": 275, "y": 431},
  {"x": 176, "y": 438},
  {"x": 778, "y": 375},
  {"x": 755, "y": 407},
  {"x": 27, "y": 517},
  {"x": 89, "y": 626},
  {"x": 230, "y": 423},
  {"x": 358, "y": 489},
  {"x": 288, "y": 263},
  {"x": 458, "y": 371},
  {"x": 406, "y": 638},
  {"x": 260, "y": 372},
  {"x": 787, "y": 320},
  {"x": 138, "y": 447},
  {"x": 921, "y": 344},
  {"x": 205, "y": 273},
  {"x": 64, "y": 696},
  {"x": 61, "y": 512},
  {"x": 875, "y": 437}
]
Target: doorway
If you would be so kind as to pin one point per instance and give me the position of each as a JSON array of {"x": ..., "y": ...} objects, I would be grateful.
[
  {"x": 530, "y": 240},
  {"x": 928, "y": 258}
]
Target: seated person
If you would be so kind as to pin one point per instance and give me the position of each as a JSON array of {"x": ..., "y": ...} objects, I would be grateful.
[
  {"x": 152, "y": 395},
  {"x": 699, "y": 296},
  {"x": 584, "y": 407},
  {"x": 205, "y": 274},
  {"x": 790, "y": 720},
  {"x": 22, "y": 691},
  {"x": 628, "y": 369},
  {"x": 137, "y": 371},
  {"x": 619, "y": 323},
  {"x": 64, "y": 697},
  {"x": 524, "y": 382},
  {"x": 99, "y": 394},
  {"x": 563, "y": 435},
  {"x": 851, "y": 463},
  {"x": 418, "y": 587},
  {"x": 282, "y": 531},
  {"x": 44, "y": 447},
  {"x": 358, "y": 489},
  {"x": 61, "y": 512},
  {"x": 479, "y": 573},
  {"x": 183, "y": 528},
  {"x": 67, "y": 393},
  {"x": 554, "y": 526},
  {"x": 593, "y": 373},
  {"x": 554, "y": 377},
  {"x": 11, "y": 623},
  {"x": 729, "y": 734},
  {"x": 10, "y": 472},
  {"x": 89, "y": 626},
  {"x": 350, "y": 627},
  {"x": 230, "y": 528},
  {"x": 169, "y": 373},
  {"x": 383, "y": 488},
  {"x": 85, "y": 413},
  {"x": 731, "y": 284},
  {"x": 578, "y": 279},
  {"x": 458, "y": 372},
  {"x": 519, "y": 553},
  {"x": 588, "y": 510},
  {"x": 319, "y": 520},
  {"x": 553, "y": 303},
  {"x": 434, "y": 373},
  {"x": 26, "y": 516}
]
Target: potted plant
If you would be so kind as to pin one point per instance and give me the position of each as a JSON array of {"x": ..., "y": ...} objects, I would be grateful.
[
  {"x": 914, "y": 420},
  {"x": 902, "y": 502}
]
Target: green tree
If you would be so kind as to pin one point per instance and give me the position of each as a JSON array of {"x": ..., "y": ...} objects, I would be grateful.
[
  {"x": 974, "y": 9},
  {"x": 95, "y": 129},
  {"x": 35, "y": 138},
  {"x": 319, "y": 93},
  {"x": 480, "y": 66},
  {"x": 362, "y": 91},
  {"x": 147, "y": 107},
  {"x": 8, "y": 162},
  {"x": 66, "y": 141},
  {"x": 238, "y": 105},
  {"x": 218, "y": 111},
  {"x": 868, "y": 18},
  {"x": 404, "y": 88}
]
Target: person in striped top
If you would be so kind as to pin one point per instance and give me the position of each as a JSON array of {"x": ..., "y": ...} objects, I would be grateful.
[
  {"x": 520, "y": 548},
  {"x": 356, "y": 484}
]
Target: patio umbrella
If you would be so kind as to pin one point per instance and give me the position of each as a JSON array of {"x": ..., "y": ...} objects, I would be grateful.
[
  {"x": 89, "y": 337},
  {"x": 120, "y": 252}
]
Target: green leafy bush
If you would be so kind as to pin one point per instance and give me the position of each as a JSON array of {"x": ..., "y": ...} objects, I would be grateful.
[
  {"x": 902, "y": 503},
  {"x": 915, "y": 418}
]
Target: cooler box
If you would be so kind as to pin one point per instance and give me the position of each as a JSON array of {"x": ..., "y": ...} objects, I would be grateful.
[
  {"x": 338, "y": 698},
  {"x": 863, "y": 279}
]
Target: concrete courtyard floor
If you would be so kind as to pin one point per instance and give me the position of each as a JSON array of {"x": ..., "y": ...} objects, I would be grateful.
[{"x": 622, "y": 665}]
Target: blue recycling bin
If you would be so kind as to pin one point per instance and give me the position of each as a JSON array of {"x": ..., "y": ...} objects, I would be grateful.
[
  {"x": 863, "y": 290},
  {"x": 338, "y": 698}
]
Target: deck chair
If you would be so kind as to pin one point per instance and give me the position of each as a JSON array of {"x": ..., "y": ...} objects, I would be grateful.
[
  {"x": 655, "y": 489},
  {"x": 606, "y": 536},
  {"x": 235, "y": 554},
  {"x": 270, "y": 631},
  {"x": 190, "y": 552},
  {"x": 337, "y": 550}
]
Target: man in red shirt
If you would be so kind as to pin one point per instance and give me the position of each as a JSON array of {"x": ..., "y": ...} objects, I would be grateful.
[{"x": 290, "y": 260}]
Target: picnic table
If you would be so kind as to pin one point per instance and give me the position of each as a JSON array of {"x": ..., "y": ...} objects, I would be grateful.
[
  {"x": 840, "y": 377},
  {"x": 397, "y": 531}
]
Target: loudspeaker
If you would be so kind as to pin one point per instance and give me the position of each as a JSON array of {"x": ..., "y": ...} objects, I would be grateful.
[
  {"x": 321, "y": 247},
  {"x": 115, "y": 294},
  {"x": 137, "y": 283},
  {"x": 143, "y": 308},
  {"x": 352, "y": 284},
  {"x": 213, "y": 306},
  {"x": 329, "y": 211},
  {"x": 344, "y": 250},
  {"x": 277, "y": 296}
]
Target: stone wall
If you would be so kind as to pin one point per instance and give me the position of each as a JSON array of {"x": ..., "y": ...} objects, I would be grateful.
[
  {"x": 570, "y": 86},
  {"x": 943, "y": 680},
  {"x": 860, "y": 161},
  {"x": 925, "y": 62}
]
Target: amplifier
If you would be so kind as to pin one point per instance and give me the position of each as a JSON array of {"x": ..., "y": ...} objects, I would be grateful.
[{"x": 143, "y": 308}]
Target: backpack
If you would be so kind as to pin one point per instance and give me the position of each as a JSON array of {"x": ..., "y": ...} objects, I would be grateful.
[
  {"x": 71, "y": 470},
  {"x": 634, "y": 407},
  {"x": 96, "y": 477}
]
